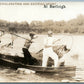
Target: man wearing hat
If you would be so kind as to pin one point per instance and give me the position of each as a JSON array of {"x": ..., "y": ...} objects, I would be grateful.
[
  {"x": 28, "y": 42},
  {"x": 48, "y": 50}
]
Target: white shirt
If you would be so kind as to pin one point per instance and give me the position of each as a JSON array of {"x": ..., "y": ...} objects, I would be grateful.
[{"x": 49, "y": 42}]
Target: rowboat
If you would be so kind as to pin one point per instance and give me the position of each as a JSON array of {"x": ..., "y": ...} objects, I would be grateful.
[{"x": 17, "y": 62}]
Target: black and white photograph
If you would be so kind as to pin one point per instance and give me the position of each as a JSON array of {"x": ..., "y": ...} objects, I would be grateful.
[{"x": 41, "y": 41}]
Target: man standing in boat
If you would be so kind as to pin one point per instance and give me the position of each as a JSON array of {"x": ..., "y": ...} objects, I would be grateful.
[
  {"x": 28, "y": 42},
  {"x": 48, "y": 50}
]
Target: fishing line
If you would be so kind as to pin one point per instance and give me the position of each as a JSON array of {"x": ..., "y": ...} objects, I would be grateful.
[{"x": 67, "y": 39}]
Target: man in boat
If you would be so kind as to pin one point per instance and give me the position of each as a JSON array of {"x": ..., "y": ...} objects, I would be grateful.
[
  {"x": 27, "y": 55},
  {"x": 48, "y": 50},
  {"x": 6, "y": 40}
]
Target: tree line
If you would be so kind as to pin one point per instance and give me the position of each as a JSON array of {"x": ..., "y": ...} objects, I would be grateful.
[{"x": 74, "y": 26}]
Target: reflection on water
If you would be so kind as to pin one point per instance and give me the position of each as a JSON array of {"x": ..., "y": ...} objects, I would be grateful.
[{"x": 11, "y": 75}]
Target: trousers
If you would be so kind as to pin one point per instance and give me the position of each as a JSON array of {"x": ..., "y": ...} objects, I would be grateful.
[{"x": 48, "y": 52}]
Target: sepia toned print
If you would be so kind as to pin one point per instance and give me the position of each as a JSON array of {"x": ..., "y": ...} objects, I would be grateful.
[{"x": 41, "y": 41}]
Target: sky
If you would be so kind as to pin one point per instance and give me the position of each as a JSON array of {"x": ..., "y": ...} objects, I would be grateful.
[{"x": 29, "y": 13}]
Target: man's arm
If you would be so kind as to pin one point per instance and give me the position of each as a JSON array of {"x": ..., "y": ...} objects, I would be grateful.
[
  {"x": 56, "y": 41},
  {"x": 47, "y": 46}
]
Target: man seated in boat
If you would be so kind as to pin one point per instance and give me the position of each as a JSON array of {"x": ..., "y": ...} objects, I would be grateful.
[
  {"x": 48, "y": 50},
  {"x": 28, "y": 42}
]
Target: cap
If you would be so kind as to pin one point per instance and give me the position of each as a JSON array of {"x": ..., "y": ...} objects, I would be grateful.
[{"x": 32, "y": 33}]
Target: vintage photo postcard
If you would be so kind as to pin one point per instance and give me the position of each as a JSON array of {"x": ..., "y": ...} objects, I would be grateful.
[{"x": 41, "y": 41}]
